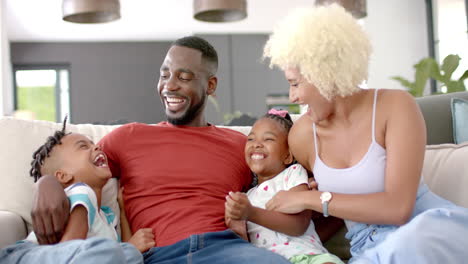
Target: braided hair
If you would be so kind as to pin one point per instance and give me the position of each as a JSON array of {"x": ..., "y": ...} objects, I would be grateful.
[
  {"x": 43, "y": 151},
  {"x": 285, "y": 121}
]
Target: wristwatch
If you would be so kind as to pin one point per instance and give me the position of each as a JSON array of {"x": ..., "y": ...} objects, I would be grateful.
[{"x": 325, "y": 197}]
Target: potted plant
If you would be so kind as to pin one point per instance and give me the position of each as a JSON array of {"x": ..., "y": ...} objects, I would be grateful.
[{"x": 429, "y": 68}]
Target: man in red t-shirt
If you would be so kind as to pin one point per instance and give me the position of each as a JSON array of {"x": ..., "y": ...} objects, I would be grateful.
[{"x": 175, "y": 174}]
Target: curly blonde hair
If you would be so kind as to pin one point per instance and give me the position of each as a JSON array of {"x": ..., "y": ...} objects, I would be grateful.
[{"x": 326, "y": 44}]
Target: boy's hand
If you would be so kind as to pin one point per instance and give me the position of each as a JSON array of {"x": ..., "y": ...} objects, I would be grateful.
[
  {"x": 50, "y": 210},
  {"x": 143, "y": 239},
  {"x": 120, "y": 198},
  {"x": 237, "y": 206}
]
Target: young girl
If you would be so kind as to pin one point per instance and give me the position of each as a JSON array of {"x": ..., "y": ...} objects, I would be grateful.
[{"x": 268, "y": 156}]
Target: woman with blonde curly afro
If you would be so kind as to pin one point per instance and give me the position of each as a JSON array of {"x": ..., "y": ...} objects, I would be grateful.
[{"x": 365, "y": 147}]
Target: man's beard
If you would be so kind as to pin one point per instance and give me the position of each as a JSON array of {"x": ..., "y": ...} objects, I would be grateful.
[{"x": 189, "y": 115}]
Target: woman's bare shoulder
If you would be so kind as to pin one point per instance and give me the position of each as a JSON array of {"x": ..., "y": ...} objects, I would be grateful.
[
  {"x": 401, "y": 111},
  {"x": 393, "y": 102},
  {"x": 301, "y": 140},
  {"x": 394, "y": 96},
  {"x": 303, "y": 125}
]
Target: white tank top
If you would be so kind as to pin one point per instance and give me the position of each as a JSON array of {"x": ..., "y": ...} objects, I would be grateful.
[{"x": 367, "y": 176}]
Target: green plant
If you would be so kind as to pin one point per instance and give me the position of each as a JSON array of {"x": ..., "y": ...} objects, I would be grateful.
[
  {"x": 429, "y": 68},
  {"x": 227, "y": 117}
]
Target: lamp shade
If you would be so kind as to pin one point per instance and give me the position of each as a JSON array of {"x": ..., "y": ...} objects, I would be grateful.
[
  {"x": 356, "y": 7},
  {"x": 219, "y": 10},
  {"x": 90, "y": 11}
]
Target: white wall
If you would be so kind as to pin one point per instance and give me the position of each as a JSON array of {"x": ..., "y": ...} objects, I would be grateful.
[
  {"x": 398, "y": 31},
  {"x": 397, "y": 28},
  {"x": 1, "y": 57},
  {"x": 6, "y": 91}
]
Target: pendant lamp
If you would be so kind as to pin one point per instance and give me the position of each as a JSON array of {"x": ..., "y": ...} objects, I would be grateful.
[
  {"x": 356, "y": 7},
  {"x": 90, "y": 11},
  {"x": 219, "y": 10}
]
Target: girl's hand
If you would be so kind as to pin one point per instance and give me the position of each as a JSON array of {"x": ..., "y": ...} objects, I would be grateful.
[
  {"x": 237, "y": 206},
  {"x": 287, "y": 202},
  {"x": 143, "y": 239},
  {"x": 238, "y": 226},
  {"x": 313, "y": 185}
]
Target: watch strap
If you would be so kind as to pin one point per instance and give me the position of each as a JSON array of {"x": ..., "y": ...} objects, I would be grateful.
[{"x": 325, "y": 208}]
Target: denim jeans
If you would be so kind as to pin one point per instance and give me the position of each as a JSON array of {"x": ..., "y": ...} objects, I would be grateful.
[
  {"x": 91, "y": 250},
  {"x": 437, "y": 233},
  {"x": 212, "y": 248}
]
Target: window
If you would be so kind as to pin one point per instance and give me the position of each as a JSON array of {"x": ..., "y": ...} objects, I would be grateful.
[
  {"x": 450, "y": 33},
  {"x": 42, "y": 93}
]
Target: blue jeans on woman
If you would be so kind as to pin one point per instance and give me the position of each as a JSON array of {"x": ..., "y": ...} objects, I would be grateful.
[
  {"x": 209, "y": 248},
  {"x": 436, "y": 233}
]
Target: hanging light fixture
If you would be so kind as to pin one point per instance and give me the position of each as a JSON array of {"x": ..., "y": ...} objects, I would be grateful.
[
  {"x": 90, "y": 11},
  {"x": 356, "y": 7},
  {"x": 219, "y": 10}
]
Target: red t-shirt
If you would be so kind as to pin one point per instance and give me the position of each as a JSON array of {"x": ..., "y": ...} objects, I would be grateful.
[{"x": 176, "y": 177}]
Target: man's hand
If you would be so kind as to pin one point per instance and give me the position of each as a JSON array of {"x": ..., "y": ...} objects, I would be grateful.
[
  {"x": 50, "y": 210},
  {"x": 237, "y": 206},
  {"x": 143, "y": 239}
]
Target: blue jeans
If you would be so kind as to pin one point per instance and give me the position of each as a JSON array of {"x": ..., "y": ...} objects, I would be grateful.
[
  {"x": 437, "y": 233},
  {"x": 210, "y": 248},
  {"x": 91, "y": 250}
]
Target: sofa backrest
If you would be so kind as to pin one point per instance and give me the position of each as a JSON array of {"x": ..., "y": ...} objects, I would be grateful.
[
  {"x": 444, "y": 169},
  {"x": 438, "y": 116}
]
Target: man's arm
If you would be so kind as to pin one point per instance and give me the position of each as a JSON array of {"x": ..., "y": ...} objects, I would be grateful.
[{"x": 50, "y": 210}]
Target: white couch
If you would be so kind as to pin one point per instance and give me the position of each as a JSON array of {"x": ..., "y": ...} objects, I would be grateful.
[{"x": 445, "y": 170}]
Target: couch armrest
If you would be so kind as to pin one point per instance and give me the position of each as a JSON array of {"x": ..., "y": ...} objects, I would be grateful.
[{"x": 12, "y": 228}]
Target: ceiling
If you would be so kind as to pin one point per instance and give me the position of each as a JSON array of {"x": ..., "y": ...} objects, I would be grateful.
[{"x": 142, "y": 20}]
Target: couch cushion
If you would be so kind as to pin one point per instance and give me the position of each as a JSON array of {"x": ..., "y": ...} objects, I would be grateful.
[
  {"x": 460, "y": 120},
  {"x": 438, "y": 117},
  {"x": 445, "y": 170},
  {"x": 18, "y": 140}
]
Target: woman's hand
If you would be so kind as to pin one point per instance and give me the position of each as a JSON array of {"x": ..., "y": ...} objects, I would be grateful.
[
  {"x": 287, "y": 202},
  {"x": 237, "y": 206},
  {"x": 143, "y": 239},
  {"x": 50, "y": 210}
]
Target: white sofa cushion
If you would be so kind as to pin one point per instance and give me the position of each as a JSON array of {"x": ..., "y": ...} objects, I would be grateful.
[
  {"x": 445, "y": 170},
  {"x": 12, "y": 228}
]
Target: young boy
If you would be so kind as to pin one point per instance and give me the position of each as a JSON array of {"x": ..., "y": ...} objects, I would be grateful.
[{"x": 82, "y": 169}]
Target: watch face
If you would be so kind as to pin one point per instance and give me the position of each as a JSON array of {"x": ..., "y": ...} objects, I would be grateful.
[{"x": 325, "y": 196}]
